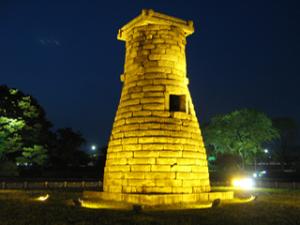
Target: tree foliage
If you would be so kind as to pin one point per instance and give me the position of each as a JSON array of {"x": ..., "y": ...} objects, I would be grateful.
[
  {"x": 66, "y": 150},
  {"x": 26, "y": 138},
  {"x": 240, "y": 132},
  {"x": 36, "y": 155},
  {"x": 23, "y": 126},
  {"x": 10, "y": 138}
]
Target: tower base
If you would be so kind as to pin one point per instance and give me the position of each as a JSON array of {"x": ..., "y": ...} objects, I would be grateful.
[{"x": 91, "y": 198}]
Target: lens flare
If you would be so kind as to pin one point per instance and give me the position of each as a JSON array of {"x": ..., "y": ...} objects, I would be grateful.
[{"x": 243, "y": 183}]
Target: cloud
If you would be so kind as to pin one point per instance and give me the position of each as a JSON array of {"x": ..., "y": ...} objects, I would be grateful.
[{"x": 49, "y": 42}]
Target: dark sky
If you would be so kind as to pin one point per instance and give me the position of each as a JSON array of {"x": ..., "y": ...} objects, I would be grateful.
[{"x": 65, "y": 53}]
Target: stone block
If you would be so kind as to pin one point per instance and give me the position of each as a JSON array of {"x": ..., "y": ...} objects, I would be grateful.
[
  {"x": 200, "y": 169},
  {"x": 169, "y": 57},
  {"x": 116, "y": 148},
  {"x": 143, "y": 161},
  {"x": 201, "y": 189},
  {"x": 147, "y": 100},
  {"x": 134, "y": 175},
  {"x": 181, "y": 168},
  {"x": 154, "y": 94},
  {"x": 166, "y": 63},
  {"x": 166, "y": 161},
  {"x": 137, "y": 89},
  {"x": 129, "y": 141},
  {"x": 144, "y": 82},
  {"x": 186, "y": 161},
  {"x": 182, "y": 189},
  {"x": 158, "y": 189},
  {"x": 146, "y": 154},
  {"x": 126, "y": 115},
  {"x": 156, "y": 106},
  {"x": 168, "y": 182},
  {"x": 192, "y": 154},
  {"x": 160, "y": 113},
  {"x": 160, "y": 168},
  {"x": 153, "y": 88},
  {"x": 119, "y": 161},
  {"x": 158, "y": 51},
  {"x": 191, "y": 176},
  {"x": 131, "y": 127},
  {"x": 134, "y": 108},
  {"x": 141, "y": 182},
  {"x": 115, "y": 142},
  {"x": 154, "y": 56},
  {"x": 115, "y": 175},
  {"x": 177, "y": 147},
  {"x": 160, "y": 175},
  {"x": 123, "y": 168},
  {"x": 156, "y": 75},
  {"x": 173, "y": 127},
  {"x": 114, "y": 189},
  {"x": 170, "y": 154},
  {"x": 158, "y": 41},
  {"x": 157, "y": 70},
  {"x": 137, "y": 95},
  {"x": 153, "y": 133},
  {"x": 142, "y": 113},
  {"x": 134, "y": 120},
  {"x": 149, "y": 46},
  {"x": 132, "y": 147},
  {"x": 117, "y": 182},
  {"x": 151, "y": 147},
  {"x": 140, "y": 168},
  {"x": 154, "y": 120},
  {"x": 148, "y": 126},
  {"x": 119, "y": 122},
  {"x": 122, "y": 154}
]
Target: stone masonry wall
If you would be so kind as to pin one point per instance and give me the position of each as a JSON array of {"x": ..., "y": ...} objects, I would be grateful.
[{"x": 151, "y": 149}]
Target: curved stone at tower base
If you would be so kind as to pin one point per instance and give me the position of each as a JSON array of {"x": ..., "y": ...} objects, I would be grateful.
[{"x": 158, "y": 199}]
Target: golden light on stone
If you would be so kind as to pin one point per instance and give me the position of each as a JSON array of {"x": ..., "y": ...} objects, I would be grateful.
[
  {"x": 43, "y": 198},
  {"x": 156, "y": 144},
  {"x": 156, "y": 154}
]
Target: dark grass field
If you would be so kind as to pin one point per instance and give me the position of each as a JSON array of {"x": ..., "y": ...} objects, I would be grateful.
[{"x": 274, "y": 207}]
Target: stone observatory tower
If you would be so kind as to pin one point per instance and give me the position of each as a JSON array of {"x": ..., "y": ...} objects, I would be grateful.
[
  {"x": 156, "y": 144},
  {"x": 156, "y": 154}
]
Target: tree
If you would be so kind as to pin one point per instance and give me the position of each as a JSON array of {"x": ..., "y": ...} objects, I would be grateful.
[
  {"x": 66, "y": 150},
  {"x": 10, "y": 139},
  {"x": 24, "y": 126},
  {"x": 241, "y": 132},
  {"x": 35, "y": 155}
]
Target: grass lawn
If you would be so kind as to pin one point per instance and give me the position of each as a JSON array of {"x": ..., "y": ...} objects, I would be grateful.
[{"x": 276, "y": 207}]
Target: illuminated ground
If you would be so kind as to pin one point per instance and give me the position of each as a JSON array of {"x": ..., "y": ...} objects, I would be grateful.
[{"x": 272, "y": 207}]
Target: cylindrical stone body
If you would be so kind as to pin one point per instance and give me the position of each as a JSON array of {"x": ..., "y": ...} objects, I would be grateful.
[{"x": 156, "y": 144}]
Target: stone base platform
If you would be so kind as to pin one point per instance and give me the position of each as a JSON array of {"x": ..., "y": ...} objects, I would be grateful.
[{"x": 157, "y": 199}]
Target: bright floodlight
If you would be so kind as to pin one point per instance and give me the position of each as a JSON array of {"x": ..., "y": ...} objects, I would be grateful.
[
  {"x": 243, "y": 183},
  {"x": 93, "y": 147},
  {"x": 266, "y": 151}
]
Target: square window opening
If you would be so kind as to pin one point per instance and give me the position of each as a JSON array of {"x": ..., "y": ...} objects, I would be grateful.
[{"x": 177, "y": 103}]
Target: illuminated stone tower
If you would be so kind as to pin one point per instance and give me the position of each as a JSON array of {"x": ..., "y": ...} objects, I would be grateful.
[{"x": 156, "y": 144}]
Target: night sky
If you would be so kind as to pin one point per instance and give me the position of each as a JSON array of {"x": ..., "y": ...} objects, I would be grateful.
[{"x": 65, "y": 53}]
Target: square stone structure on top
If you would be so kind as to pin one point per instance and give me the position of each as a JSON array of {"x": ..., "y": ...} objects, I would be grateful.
[{"x": 156, "y": 153}]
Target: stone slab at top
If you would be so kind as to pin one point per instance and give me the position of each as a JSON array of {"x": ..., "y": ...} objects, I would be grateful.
[{"x": 148, "y": 16}]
